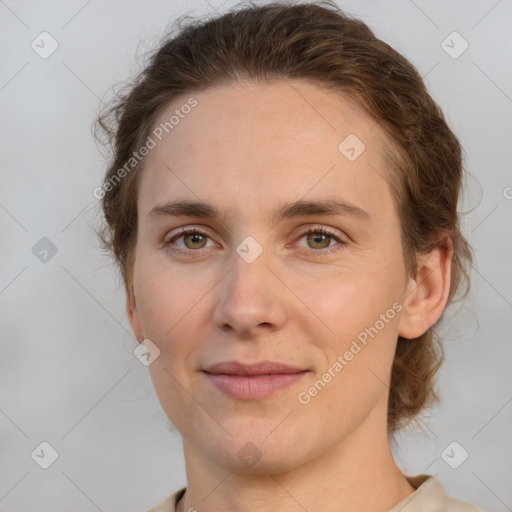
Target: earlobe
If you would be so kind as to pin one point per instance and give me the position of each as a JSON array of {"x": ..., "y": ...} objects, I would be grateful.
[
  {"x": 428, "y": 292},
  {"x": 133, "y": 315}
]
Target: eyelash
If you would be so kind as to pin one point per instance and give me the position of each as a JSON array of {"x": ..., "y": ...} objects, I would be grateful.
[{"x": 316, "y": 230}]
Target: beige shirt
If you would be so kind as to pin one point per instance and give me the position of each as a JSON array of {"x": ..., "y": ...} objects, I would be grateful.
[{"x": 429, "y": 496}]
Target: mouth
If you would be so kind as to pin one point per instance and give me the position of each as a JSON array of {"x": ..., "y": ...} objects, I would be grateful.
[{"x": 253, "y": 381}]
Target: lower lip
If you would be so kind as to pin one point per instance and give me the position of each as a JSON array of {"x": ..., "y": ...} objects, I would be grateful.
[{"x": 253, "y": 387}]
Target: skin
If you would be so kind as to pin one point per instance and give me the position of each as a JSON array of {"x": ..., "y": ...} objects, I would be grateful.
[{"x": 248, "y": 149}]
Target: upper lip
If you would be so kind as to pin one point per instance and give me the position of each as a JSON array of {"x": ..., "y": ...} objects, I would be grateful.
[{"x": 261, "y": 368}]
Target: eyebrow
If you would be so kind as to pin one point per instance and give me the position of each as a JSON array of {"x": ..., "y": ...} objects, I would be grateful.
[{"x": 288, "y": 210}]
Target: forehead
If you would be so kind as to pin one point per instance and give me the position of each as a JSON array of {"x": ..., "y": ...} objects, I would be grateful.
[{"x": 249, "y": 142}]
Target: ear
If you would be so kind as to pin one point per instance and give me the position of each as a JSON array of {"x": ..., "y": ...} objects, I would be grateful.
[
  {"x": 133, "y": 315},
  {"x": 428, "y": 291}
]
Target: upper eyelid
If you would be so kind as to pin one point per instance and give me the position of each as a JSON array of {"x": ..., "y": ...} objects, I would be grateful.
[{"x": 186, "y": 230}]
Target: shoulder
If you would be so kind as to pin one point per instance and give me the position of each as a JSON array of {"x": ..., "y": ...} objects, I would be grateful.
[
  {"x": 169, "y": 504},
  {"x": 430, "y": 496},
  {"x": 454, "y": 505}
]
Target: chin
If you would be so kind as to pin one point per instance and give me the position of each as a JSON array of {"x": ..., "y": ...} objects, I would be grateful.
[
  {"x": 273, "y": 463},
  {"x": 254, "y": 451}
]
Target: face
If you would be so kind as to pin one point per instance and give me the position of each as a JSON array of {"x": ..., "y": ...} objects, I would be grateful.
[{"x": 297, "y": 260}]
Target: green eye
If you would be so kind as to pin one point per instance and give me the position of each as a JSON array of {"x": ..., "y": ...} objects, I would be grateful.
[
  {"x": 316, "y": 239},
  {"x": 193, "y": 239},
  {"x": 196, "y": 238},
  {"x": 320, "y": 240}
]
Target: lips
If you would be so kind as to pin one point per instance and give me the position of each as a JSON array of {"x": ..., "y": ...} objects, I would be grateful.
[
  {"x": 253, "y": 381},
  {"x": 262, "y": 368}
]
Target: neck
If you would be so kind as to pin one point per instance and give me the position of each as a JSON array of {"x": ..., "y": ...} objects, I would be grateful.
[{"x": 358, "y": 473}]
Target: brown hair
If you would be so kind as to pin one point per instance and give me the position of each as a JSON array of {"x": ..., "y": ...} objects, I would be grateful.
[{"x": 319, "y": 43}]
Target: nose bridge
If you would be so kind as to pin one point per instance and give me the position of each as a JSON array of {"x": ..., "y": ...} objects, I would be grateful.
[{"x": 249, "y": 295}]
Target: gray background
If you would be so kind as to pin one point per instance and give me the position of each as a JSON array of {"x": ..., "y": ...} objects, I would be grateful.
[{"x": 67, "y": 372}]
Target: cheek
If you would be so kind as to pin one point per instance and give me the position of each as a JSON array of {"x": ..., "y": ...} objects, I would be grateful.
[
  {"x": 168, "y": 304},
  {"x": 357, "y": 358},
  {"x": 351, "y": 300},
  {"x": 361, "y": 309},
  {"x": 166, "y": 300}
]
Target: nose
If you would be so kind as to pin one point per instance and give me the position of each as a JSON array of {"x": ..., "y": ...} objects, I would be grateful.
[{"x": 251, "y": 299}]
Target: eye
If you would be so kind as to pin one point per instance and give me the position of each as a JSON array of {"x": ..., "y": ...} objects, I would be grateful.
[
  {"x": 321, "y": 240},
  {"x": 192, "y": 239},
  {"x": 189, "y": 240}
]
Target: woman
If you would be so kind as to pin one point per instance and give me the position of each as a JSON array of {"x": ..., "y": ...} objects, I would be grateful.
[{"x": 286, "y": 365}]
